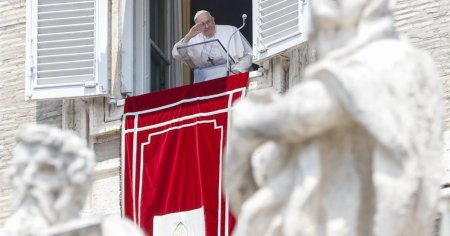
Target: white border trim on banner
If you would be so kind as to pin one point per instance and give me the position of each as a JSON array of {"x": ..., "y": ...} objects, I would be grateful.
[
  {"x": 135, "y": 130},
  {"x": 220, "y": 163}
]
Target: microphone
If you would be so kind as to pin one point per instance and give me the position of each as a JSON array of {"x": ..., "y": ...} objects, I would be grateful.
[{"x": 244, "y": 17}]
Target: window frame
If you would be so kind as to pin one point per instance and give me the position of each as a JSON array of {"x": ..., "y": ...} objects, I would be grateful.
[
  {"x": 138, "y": 63},
  {"x": 97, "y": 87},
  {"x": 261, "y": 52}
]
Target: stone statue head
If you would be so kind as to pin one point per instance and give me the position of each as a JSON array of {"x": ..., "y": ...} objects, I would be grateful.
[
  {"x": 336, "y": 14},
  {"x": 349, "y": 24},
  {"x": 51, "y": 171}
]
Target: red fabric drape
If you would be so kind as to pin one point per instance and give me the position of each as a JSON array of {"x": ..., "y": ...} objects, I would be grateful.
[{"x": 173, "y": 151}]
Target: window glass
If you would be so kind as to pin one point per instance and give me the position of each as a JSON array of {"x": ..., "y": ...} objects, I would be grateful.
[
  {"x": 158, "y": 72},
  {"x": 158, "y": 38},
  {"x": 158, "y": 22},
  {"x": 156, "y": 30}
]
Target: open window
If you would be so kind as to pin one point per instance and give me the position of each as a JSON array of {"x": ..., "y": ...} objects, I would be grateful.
[
  {"x": 150, "y": 29},
  {"x": 66, "y": 49}
]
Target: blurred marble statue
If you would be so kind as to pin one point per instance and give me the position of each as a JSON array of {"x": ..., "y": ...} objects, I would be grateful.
[
  {"x": 352, "y": 150},
  {"x": 51, "y": 174}
]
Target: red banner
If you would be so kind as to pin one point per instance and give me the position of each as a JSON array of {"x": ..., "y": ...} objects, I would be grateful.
[{"x": 173, "y": 150}]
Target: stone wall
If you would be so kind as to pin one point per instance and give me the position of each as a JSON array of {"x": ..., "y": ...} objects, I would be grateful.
[
  {"x": 427, "y": 26},
  {"x": 87, "y": 117},
  {"x": 424, "y": 22},
  {"x": 14, "y": 110}
]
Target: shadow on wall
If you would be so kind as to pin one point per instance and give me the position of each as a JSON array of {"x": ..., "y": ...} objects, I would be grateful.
[{"x": 49, "y": 112}]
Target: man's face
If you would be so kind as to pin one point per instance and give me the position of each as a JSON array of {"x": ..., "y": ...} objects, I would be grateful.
[{"x": 207, "y": 24}]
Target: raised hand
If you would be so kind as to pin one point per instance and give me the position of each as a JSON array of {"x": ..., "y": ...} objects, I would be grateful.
[{"x": 194, "y": 31}]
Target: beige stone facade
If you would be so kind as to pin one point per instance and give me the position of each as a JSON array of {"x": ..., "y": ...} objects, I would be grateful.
[
  {"x": 14, "y": 111},
  {"x": 93, "y": 118},
  {"x": 424, "y": 22}
]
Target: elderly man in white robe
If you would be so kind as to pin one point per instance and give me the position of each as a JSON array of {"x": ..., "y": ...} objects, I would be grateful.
[
  {"x": 352, "y": 150},
  {"x": 213, "y": 55}
]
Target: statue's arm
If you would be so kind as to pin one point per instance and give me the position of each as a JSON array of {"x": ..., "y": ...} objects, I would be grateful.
[{"x": 307, "y": 110}]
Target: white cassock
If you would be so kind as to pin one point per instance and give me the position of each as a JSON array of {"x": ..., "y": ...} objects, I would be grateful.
[{"x": 209, "y": 60}]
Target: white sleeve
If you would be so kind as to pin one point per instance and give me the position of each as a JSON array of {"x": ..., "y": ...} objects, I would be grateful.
[
  {"x": 175, "y": 53},
  {"x": 243, "y": 64}
]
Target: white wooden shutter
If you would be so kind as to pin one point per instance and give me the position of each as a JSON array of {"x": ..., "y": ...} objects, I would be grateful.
[
  {"x": 278, "y": 25},
  {"x": 66, "y": 50}
]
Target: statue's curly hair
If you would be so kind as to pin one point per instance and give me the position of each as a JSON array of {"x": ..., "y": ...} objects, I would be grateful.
[{"x": 63, "y": 149}]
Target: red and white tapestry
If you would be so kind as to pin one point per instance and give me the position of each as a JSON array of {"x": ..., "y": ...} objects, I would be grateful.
[{"x": 173, "y": 144}]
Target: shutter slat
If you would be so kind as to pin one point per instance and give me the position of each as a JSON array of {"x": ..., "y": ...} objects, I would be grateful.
[
  {"x": 65, "y": 57},
  {"x": 277, "y": 6},
  {"x": 66, "y": 72},
  {"x": 280, "y": 35},
  {"x": 48, "y": 2},
  {"x": 62, "y": 2},
  {"x": 68, "y": 80},
  {"x": 278, "y": 22},
  {"x": 65, "y": 35},
  {"x": 65, "y": 65},
  {"x": 65, "y": 6},
  {"x": 66, "y": 21},
  {"x": 267, "y": 3},
  {"x": 65, "y": 43},
  {"x": 67, "y": 13},
  {"x": 65, "y": 50},
  {"x": 65, "y": 28},
  {"x": 276, "y": 29},
  {"x": 280, "y": 13}
]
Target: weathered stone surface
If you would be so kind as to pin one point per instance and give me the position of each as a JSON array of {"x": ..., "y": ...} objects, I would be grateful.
[
  {"x": 354, "y": 149},
  {"x": 51, "y": 173}
]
